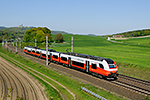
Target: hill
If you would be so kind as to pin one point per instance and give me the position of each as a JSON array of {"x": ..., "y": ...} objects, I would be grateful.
[
  {"x": 2, "y": 27},
  {"x": 56, "y": 32},
  {"x": 135, "y": 33},
  {"x": 132, "y": 60},
  {"x": 20, "y": 30},
  {"x": 13, "y": 32}
]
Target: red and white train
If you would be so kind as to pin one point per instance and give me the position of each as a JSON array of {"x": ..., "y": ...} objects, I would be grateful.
[{"x": 99, "y": 66}]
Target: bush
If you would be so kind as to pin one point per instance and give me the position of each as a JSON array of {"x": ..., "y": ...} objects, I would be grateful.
[{"x": 59, "y": 38}]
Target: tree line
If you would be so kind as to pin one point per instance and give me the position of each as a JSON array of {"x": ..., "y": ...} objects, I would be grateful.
[
  {"x": 12, "y": 33},
  {"x": 136, "y": 33},
  {"x": 29, "y": 34}
]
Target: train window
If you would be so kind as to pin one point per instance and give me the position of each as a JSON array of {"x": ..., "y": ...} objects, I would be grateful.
[
  {"x": 38, "y": 52},
  {"x": 111, "y": 66},
  {"x": 55, "y": 56},
  {"x": 78, "y": 63},
  {"x": 44, "y": 55},
  {"x": 33, "y": 51},
  {"x": 101, "y": 66},
  {"x": 64, "y": 58},
  {"x": 109, "y": 61},
  {"x": 94, "y": 66},
  {"x": 29, "y": 51}
]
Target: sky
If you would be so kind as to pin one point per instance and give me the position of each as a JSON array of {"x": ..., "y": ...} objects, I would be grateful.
[{"x": 101, "y": 17}]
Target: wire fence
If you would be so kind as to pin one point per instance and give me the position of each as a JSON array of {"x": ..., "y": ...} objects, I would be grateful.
[{"x": 92, "y": 93}]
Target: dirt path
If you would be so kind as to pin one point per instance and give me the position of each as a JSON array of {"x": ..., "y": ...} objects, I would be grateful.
[
  {"x": 17, "y": 84},
  {"x": 124, "y": 38}
]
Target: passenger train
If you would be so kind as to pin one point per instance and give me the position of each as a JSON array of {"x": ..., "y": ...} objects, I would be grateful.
[{"x": 98, "y": 66}]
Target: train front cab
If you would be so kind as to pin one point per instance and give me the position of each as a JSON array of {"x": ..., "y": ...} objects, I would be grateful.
[
  {"x": 111, "y": 68},
  {"x": 97, "y": 68},
  {"x": 101, "y": 69}
]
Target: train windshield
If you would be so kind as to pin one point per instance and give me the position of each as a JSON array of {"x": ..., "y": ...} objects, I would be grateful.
[{"x": 110, "y": 63}]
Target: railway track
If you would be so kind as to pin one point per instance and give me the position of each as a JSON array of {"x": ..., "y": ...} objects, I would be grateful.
[
  {"x": 137, "y": 87},
  {"x": 36, "y": 74},
  {"x": 133, "y": 88},
  {"x": 139, "y": 81},
  {"x": 16, "y": 84},
  {"x": 133, "y": 84}
]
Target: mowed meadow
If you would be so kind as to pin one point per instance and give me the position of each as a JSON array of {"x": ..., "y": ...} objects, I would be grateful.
[
  {"x": 137, "y": 41},
  {"x": 132, "y": 59}
]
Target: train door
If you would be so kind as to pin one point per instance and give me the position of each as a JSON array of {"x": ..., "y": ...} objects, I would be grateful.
[
  {"x": 69, "y": 61},
  {"x": 40, "y": 54},
  {"x": 59, "y": 57},
  {"x": 50, "y": 57},
  {"x": 87, "y": 66}
]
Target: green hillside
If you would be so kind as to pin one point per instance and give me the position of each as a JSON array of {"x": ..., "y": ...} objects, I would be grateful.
[
  {"x": 132, "y": 60},
  {"x": 145, "y": 41},
  {"x": 135, "y": 33},
  {"x": 99, "y": 46},
  {"x": 56, "y": 32},
  {"x": 2, "y": 27},
  {"x": 13, "y": 32}
]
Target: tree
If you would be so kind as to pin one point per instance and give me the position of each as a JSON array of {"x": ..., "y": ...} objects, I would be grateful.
[
  {"x": 38, "y": 33},
  {"x": 40, "y": 36},
  {"x": 59, "y": 38}
]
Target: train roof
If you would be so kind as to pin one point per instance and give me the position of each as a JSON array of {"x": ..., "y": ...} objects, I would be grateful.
[
  {"x": 85, "y": 56},
  {"x": 40, "y": 49},
  {"x": 76, "y": 54},
  {"x": 32, "y": 47},
  {"x": 51, "y": 50}
]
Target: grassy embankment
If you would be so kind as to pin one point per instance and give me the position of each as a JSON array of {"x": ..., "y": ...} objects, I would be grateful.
[
  {"x": 132, "y": 59},
  {"x": 137, "y": 41},
  {"x": 74, "y": 85}
]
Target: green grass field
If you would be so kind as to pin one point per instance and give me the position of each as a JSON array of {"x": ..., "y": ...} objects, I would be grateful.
[
  {"x": 137, "y": 41},
  {"x": 132, "y": 55},
  {"x": 99, "y": 46},
  {"x": 74, "y": 85},
  {"x": 132, "y": 59}
]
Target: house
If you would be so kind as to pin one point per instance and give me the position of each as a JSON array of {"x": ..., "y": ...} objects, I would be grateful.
[
  {"x": 118, "y": 36},
  {"x": 20, "y": 25}
]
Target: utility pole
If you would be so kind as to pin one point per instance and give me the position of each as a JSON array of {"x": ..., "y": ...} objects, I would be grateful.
[
  {"x": 46, "y": 50},
  {"x": 6, "y": 43},
  {"x": 72, "y": 44},
  {"x": 20, "y": 44},
  {"x": 2, "y": 43},
  {"x": 13, "y": 42},
  {"x": 35, "y": 43},
  {"x": 16, "y": 46}
]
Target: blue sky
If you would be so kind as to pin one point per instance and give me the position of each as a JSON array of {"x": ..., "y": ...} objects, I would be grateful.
[{"x": 77, "y": 16}]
